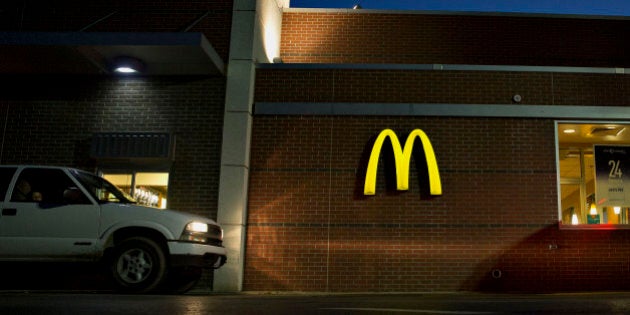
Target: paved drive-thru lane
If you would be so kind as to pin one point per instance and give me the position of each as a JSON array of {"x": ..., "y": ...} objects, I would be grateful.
[{"x": 48, "y": 302}]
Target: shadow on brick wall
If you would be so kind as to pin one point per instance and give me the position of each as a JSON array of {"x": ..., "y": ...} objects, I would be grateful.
[{"x": 556, "y": 260}]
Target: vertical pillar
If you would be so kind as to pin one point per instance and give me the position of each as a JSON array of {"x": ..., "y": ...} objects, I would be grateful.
[
  {"x": 237, "y": 121},
  {"x": 247, "y": 46}
]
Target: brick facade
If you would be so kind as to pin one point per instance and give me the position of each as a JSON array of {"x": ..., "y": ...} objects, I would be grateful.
[
  {"x": 54, "y": 125},
  {"x": 311, "y": 229},
  {"x": 51, "y": 112},
  {"x": 363, "y": 37},
  {"x": 448, "y": 87},
  {"x": 191, "y": 108},
  {"x": 50, "y": 119}
]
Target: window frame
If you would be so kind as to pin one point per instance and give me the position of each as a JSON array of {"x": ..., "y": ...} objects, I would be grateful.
[{"x": 560, "y": 181}]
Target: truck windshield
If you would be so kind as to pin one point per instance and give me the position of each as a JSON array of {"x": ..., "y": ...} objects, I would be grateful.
[{"x": 102, "y": 190}]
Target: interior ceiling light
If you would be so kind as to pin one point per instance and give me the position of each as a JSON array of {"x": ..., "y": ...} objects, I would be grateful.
[
  {"x": 127, "y": 65},
  {"x": 607, "y": 131},
  {"x": 570, "y": 130}
]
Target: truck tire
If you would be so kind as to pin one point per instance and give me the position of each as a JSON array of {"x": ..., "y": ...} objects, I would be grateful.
[
  {"x": 138, "y": 265},
  {"x": 182, "y": 280}
]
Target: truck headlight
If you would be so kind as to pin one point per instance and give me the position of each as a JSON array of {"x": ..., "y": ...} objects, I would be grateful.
[
  {"x": 197, "y": 227},
  {"x": 200, "y": 232}
]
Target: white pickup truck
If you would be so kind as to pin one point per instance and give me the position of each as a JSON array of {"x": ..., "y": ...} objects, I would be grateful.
[{"x": 65, "y": 214}]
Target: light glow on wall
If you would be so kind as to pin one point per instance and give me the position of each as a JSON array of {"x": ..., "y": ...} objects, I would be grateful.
[{"x": 269, "y": 28}]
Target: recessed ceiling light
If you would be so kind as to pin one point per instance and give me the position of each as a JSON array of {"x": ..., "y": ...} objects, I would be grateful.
[
  {"x": 127, "y": 65},
  {"x": 569, "y": 130},
  {"x": 607, "y": 130},
  {"x": 125, "y": 70}
]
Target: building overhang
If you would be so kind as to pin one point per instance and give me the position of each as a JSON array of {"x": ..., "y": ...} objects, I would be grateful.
[{"x": 162, "y": 53}]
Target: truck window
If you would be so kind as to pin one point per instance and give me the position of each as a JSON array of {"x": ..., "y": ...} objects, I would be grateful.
[
  {"x": 102, "y": 190},
  {"x": 6, "y": 174},
  {"x": 51, "y": 186}
]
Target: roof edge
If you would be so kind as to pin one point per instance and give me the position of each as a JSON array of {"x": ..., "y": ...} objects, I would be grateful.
[
  {"x": 443, "y": 67},
  {"x": 458, "y": 13}
]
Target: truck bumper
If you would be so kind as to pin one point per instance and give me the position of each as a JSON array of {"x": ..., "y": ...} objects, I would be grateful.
[{"x": 196, "y": 255}]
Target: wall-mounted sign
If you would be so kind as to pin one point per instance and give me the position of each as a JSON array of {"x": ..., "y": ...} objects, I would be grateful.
[
  {"x": 402, "y": 159},
  {"x": 612, "y": 171}
]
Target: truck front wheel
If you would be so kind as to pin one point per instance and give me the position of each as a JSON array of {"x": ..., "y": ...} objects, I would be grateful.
[
  {"x": 182, "y": 280},
  {"x": 138, "y": 265}
]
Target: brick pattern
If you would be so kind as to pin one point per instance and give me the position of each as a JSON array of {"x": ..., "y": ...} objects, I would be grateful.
[
  {"x": 130, "y": 16},
  {"x": 320, "y": 37},
  {"x": 54, "y": 126},
  {"x": 454, "y": 87},
  {"x": 191, "y": 108},
  {"x": 49, "y": 120},
  {"x": 311, "y": 229}
]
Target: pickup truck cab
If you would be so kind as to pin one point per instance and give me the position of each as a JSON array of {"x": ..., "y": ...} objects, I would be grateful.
[{"x": 65, "y": 214}]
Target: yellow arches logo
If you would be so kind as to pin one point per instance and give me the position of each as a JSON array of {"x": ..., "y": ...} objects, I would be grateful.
[{"x": 402, "y": 160}]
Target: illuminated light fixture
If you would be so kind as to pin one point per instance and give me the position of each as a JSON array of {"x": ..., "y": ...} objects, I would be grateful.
[
  {"x": 127, "y": 65},
  {"x": 607, "y": 131},
  {"x": 125, "y": 70},
  {"x": 617, "y": 209},
  {"x": 593, "y": 210},
  {"x": 569, "y": 131},
  {"x": 198, "y": 227},
  {"x": 574, "y": 219},
  {"x": 356, "y": 7}
]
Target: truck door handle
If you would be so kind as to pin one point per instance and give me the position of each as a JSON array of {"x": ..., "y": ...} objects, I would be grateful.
[{"x": 9, "y": 211}]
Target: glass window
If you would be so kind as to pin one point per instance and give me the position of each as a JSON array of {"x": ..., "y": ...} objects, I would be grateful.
[
  {"x": 6, "y": 175},
  {"x": 101, "y": 189},
  {"x": 148, "y": 188},
  {"x": 50, "y": 186},
  {"x": 593, "y": 169}
]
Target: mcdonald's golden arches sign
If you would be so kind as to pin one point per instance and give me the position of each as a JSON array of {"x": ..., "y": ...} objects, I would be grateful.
[{"x": 402, "y": 160}]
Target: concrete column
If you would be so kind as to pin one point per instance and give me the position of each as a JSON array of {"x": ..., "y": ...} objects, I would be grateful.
[{"x": 247, "y": 46}]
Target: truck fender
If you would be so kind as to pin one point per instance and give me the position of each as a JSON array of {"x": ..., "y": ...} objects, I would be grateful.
[{"x": 106, "y": 237}]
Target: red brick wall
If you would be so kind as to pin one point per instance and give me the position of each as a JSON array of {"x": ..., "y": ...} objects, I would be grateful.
[
  {"x": 457, "y": 87},
  {"x": 309, "y": 227},
  {"x": 334, "y": 37}
]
